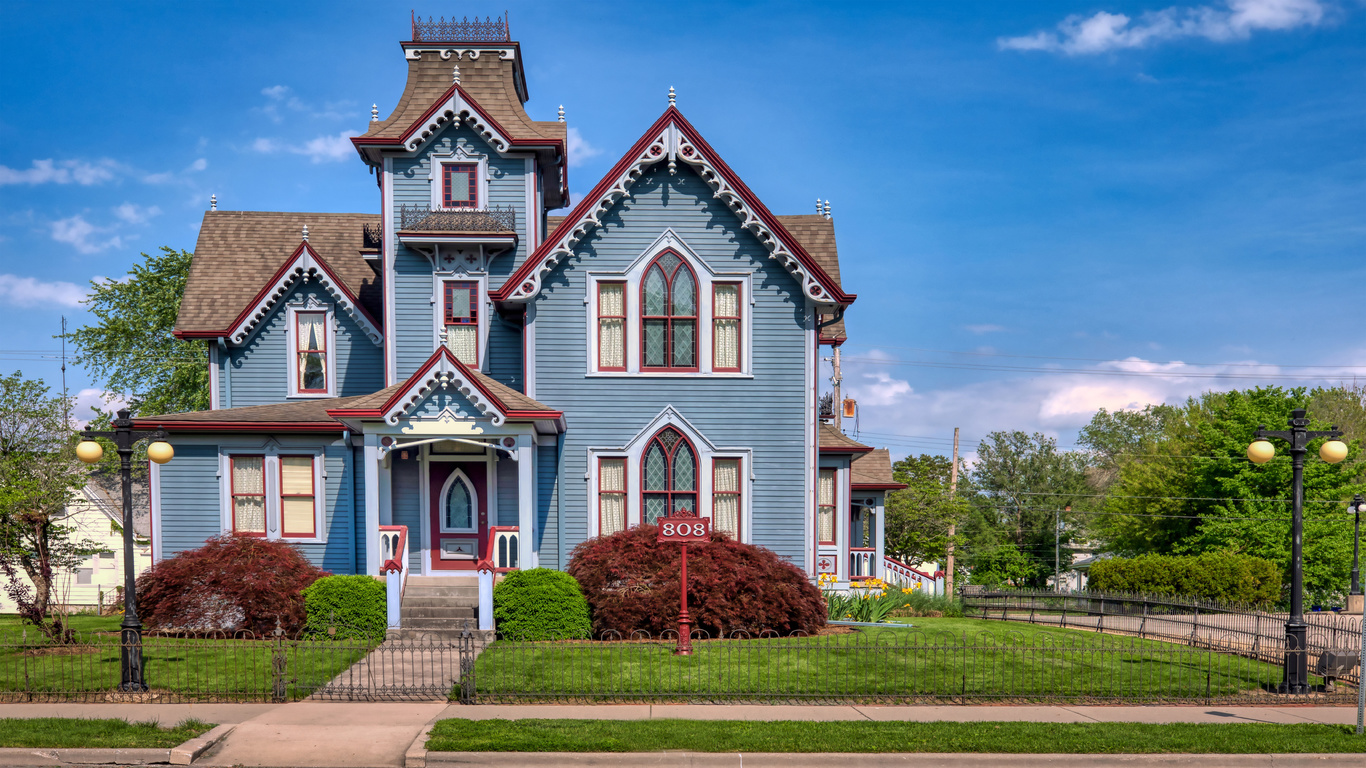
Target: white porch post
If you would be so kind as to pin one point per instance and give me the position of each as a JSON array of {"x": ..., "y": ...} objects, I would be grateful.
[
  {"x": 526, "y": 503},
  {"x": 878, "y": 566},
  {"x": 372, "y": 554}
]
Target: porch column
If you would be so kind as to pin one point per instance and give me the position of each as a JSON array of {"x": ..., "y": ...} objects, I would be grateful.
[
  {"x": 372, "y": 555},
  {"x": 878, "y": 541},
  {"x": 526, "y": 503}
]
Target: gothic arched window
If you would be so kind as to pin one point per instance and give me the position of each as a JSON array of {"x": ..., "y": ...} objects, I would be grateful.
[
  {"x": 668, "y": 315},
  {"x": 669, "y": 468}
]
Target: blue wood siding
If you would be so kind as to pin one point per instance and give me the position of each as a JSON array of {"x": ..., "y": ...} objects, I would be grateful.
[
  {"x": 504, "y": 361},
  {"x": 507, "y": 491},
  {"x": 547, "y": 487},
  {"x": 766, "y": 413},
  {"x": 260, "y": 367},
  {"x": 189, "y": 499},
  {"x": 407, "y": 499}
]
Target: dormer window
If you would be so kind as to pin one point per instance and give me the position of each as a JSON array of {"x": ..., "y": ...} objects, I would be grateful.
[
  {"x": 460, "y": 185},
  {"x": 310, "y": 363},
  {"x": 461, "y": 320}
]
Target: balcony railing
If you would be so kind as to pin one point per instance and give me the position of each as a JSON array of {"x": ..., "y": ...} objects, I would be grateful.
[
  {"x": 420, "y": 218},
  {"x": 489, "y": 30},
  {"x": 372, "y": 237},
  {"x": 861, "y": 562},
  {"x": 502, "y": 548}
]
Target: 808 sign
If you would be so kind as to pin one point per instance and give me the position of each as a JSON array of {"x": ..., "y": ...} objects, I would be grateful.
[{"x": 684, "y": 529}]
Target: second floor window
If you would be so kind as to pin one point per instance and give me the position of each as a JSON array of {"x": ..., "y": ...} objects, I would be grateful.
[
  {"x": 670, "y": 470},
  {"x": 669, "y": 316},
  {"x": 311, "y": 338},
  {"x": 612, "y": 326},
  {"x": 461, "y": 303},
  {"x": 725, "y": 327},
  {"x": 460, "y": 185}
]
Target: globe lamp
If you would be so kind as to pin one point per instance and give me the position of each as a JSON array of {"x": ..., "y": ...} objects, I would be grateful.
[
  {"x": 1261, "y": 451},
  {"x": 160, "y": 452},
  {"x": 1333, "y": 451},
  {"x": 89, "y": 451}
]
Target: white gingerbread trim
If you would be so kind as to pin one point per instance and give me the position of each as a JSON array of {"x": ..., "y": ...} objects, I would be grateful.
[
  {"x": 414, "y": 52},
  {"x": 456, "y": 111},
  {"x": 672, "y": 145},
  {"x": 304, "y": 265},
  {"x": 444, "y": 375}
]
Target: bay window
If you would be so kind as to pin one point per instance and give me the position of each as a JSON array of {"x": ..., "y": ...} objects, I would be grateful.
[{"x": 461, "y": 319}]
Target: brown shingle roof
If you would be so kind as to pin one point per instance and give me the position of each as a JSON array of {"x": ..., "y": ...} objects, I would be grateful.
[
  {"x": 240, "y": 251},
  {"x": 817, "y": 235},
  {"x": 835, "y": 441},
  {"x": 489, "y": 80},
  {"x": 874, "y": 469}
]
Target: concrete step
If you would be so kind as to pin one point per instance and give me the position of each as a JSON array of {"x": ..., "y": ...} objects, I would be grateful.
[
  {"x": 426, "y": 601},
  {"x": 436, "y": 612},
  {"x": 481, "y": 638},
  {"x": 443, "y": 581},
  {"x": 441, "y": 592}
]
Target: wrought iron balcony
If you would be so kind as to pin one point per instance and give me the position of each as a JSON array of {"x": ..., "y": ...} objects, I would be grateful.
[
  {"x": 489, "y": 30},
  {"x": 372, "y": 237},
  {"x": 420, "y": 218}
]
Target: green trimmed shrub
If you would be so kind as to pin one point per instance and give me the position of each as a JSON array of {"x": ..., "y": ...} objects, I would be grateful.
[
  {"x": 1216, "y": 576},
  {"x": 540, "y": 604},
  {"x": 355, "y": 605}
]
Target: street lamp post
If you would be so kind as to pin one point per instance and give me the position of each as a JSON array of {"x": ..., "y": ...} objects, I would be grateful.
[
  {"x": 1296, "y": 678},
  {"x": 124, "y": 438},
  {"x": 1354, "y": 596}
]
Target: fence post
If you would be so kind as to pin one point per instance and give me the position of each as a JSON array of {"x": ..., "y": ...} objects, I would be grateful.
[
  {"x": 1195, "y": 626},
  {"x": 1100, "y": 623},
  {"x": 1143, "y": 623},
  {"x": 278, "y": 663},
  {"x": 466, "y": 653}
]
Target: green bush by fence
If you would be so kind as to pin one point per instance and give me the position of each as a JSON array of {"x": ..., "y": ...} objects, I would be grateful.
[
  {"x": 1213, "y": 576},
  {"x": 540, "y": 604},
  {"x": 351, "y": 603}
]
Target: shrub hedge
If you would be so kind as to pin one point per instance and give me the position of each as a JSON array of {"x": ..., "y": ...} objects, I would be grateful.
[
  {"x": 632, "y": 583},
  {"x": 354, "y": 605},
  {"x": 540, "y": 604},
  {"x": 1212, "y": 576},
  {"x": 231, "y": 583}
]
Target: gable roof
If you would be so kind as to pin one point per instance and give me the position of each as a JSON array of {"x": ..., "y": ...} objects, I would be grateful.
[
  {"x": 835, "y": 441},
  {"x": 240, "y": 253},
  {"x": 674, "y": 140},
  {"x": 873, "y": 471},
  {"x": 816, "y": 233}
]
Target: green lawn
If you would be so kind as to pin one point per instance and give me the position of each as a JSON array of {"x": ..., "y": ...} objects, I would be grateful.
[
  {"x": 194, "y": 668},
  {"x": 76, "y": 733},
  {"x": 862, "y": 736},
  {"x": 938, "y": 660}
]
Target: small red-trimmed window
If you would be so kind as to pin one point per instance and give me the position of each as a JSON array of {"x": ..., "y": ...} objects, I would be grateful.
[
  {"x": 460, "y": 185},
  {"x": 825, "y": 509},
  {"x": 668, "y": 314},
  {"x": 725, "y": 327},
  {"x": 297, "y": 520},
  {"x": 611, "y": 496},
  {"x": 611, "y": 326},
  {"x": 310, "y": 334},
  {"x": 725, "y": 499},
  {"x": 249, "y": 495},
  {"x": 461, "y": 303}
]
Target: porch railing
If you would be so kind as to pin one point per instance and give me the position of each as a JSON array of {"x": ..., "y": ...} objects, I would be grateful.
[
  {"x": 861, "y": 562},
  {"x": 393, "y": 548},
  {"x": 898, "y": 572},
  {"x": 502, "y": 549}
]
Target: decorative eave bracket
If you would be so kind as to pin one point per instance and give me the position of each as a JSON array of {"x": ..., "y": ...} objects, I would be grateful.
[{"x": 441, "y": 372}]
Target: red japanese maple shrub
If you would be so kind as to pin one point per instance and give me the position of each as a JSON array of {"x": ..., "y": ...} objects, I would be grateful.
[
  {"x": 632, "y": 583},
  {"x": 231, "y": 583}
]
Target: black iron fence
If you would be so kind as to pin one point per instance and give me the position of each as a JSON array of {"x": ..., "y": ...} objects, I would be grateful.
[{"x": 1231, "y": 628}]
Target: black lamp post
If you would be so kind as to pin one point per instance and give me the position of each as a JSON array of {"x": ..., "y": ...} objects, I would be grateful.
[
  {"x": 1358, "y": 503},
  {"x": 125, "y": 437},
  {"x": 1296, "y": 679}
]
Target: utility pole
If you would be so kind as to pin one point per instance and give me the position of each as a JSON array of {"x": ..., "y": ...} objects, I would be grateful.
[
  {"x": 953, "y": 523},
  {"x": 1057, "y": 550},
  {"x": 837, "y": 380}
]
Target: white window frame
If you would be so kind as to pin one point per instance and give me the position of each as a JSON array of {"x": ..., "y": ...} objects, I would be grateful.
[
  {"x": 272, "y": 452},
  {"x": 457, "y": 472},
  {"x": 459, "y": 154},
  {"x": 633, "y": 275},
  {"x": 292, "y": 344},
  {"x": 439, "y": 279}
]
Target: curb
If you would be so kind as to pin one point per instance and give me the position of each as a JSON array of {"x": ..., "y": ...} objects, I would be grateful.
[
  {"x": 23, "y": 757},
  {"x": 900, "y": 760},
  {"x": 191, "y": 750},
  {"x": 416, "y": 755}
]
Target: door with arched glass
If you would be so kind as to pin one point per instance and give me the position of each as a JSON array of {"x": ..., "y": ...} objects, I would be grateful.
[{"x": 459, "y": 514}]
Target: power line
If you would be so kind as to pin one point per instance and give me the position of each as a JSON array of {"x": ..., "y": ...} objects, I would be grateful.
[
  {"x": 1085, "y": 371},
  {"x": 1109, "y": 359}
]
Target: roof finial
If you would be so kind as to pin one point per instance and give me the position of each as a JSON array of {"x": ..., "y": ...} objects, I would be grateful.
[
  {"x": 818, "y": 206},
  {"x": 827, "y": 209},
  {"x": 305, "y": 233},
  {"x": 213, "y": 202},
  {"x": 671, "y": 96},
  {"x": 374, "y": 113},
  {"x": 562, "y": 113},
  {"x": 455, "y": 74}
]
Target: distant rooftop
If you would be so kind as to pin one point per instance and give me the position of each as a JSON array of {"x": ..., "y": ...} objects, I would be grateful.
[{"x": 489, "y": 30}]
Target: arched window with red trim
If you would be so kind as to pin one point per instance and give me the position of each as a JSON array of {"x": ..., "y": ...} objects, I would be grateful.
[
  {"x": 668, "y": 316},
  {"x": 669, "y": 470}
]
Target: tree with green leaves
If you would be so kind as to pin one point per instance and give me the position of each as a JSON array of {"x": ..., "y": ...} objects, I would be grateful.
[
  {"x": 39, "y": 477},
  {"x": 917, "y": 522},
  {"x": 131, "y": 347}
]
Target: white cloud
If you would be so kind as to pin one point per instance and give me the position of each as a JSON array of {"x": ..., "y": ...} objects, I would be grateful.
[
  {"x": 86, "y": 237},
  {"x": 1103, "y": 31},
  {"x": 198, "y": 165},
  {"x": 136, "y": 214},
  {"x": 984, "y": 328},
  {"x": 31, "y": 292},
  {"x": 275, "y": 92},
  {"x": 265, "y": 146},
  {"x": 65, "y": 172},
  {"x": 579, "y": 149},
  {"x": 90, "y": 400},
  {"x": 323, "y": 149}
]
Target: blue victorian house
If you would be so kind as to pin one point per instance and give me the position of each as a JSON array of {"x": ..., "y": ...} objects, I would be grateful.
[{"x": 460, "y": 378}]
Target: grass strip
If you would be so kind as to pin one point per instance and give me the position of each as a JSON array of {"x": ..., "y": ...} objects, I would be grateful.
[
  {"x": 81, "y": 733},
  {"x": 870, "y": 737}
]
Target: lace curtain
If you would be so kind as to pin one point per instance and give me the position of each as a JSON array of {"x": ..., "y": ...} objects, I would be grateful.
[
  {"x": 463, "y": 341},
  {"x": 612, "y": 495},
  {"x": 312, "y": 351},
  {"x": 727, "y": 326},
  {"x": 249, "y": 494},
  {"x": 725, "y": 508},
  {"x": 826, "y": 516},
  {"x": 612, "y": 326}
]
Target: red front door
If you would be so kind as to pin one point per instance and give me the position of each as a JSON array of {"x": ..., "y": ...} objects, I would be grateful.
[{"x": 459, "y": 514}]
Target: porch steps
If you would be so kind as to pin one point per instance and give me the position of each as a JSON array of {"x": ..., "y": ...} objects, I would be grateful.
[{"x": 439, "y": 605}]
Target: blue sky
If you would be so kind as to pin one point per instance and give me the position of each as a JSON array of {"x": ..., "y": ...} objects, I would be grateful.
[{"x": 1063, "y": 190}]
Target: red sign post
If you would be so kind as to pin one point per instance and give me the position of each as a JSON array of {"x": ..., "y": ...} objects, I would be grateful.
[{"x": 684, "y": 526}]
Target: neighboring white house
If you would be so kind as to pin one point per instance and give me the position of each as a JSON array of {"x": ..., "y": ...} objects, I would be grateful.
[{"x": 97, "y": 519}]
